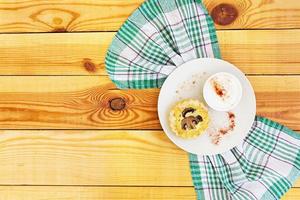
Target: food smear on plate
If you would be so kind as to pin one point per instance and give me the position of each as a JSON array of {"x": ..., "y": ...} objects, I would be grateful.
[
  {"x": 189, "y": 118},
  {"x": 216, "y": 135},
  {"x": 219, "y": 89},
  {"x": 222, "y": 91},
  {"x": 195, "y": 82}
]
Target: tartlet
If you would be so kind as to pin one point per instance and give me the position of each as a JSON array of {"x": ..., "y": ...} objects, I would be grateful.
[{"x": 189, "y": 118}]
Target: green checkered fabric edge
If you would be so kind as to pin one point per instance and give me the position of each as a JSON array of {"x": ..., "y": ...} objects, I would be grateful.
[
  {"x": 159, "y": 36},
  {"x": 264, "y": 167},
  {"x": 163, "y": 34}
]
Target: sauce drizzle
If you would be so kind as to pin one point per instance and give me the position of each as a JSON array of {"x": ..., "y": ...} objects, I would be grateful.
[{"x": 216, "y": 136}]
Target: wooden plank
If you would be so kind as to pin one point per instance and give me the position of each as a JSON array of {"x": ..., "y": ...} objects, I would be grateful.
[
  {"x": 70, "y": 102},
  {"x": 122, "y": 158},
  {"x": 54, "y": 54},
  {"x": 68, "y": 54},
  {"x": 92, "y": 158},
  {"x": 102, "y": 15},
  {"x": 64, "y": 15},
  {"x": 297, "y": 184},
  {"x": 292, "y": 194},
  {"x": 254, "y": 52},
  {"x": 81, "y": 102},
  {"x": 118, "y": 193},
  {"x": 257, "y": 14},
  {"x": 96, "y": 193},
  {"x": 262, "y": 51}
]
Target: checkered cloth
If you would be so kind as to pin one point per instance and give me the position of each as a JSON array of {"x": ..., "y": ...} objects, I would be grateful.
[
  {"x": 264, "y": 167},
  {"x": 163, "y": 34},
  {"x": 158, "y": 37}
]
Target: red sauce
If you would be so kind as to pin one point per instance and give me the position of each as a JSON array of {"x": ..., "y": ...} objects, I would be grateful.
[
  {"x": 231, "y": 127},
  {"x": 231, "y": 115},
  {"x": 220, "y": 91},
  {"x": 223, "y": 131}
]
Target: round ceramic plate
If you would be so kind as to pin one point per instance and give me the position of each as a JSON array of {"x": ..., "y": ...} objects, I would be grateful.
[{"x": 187, "y": 82}]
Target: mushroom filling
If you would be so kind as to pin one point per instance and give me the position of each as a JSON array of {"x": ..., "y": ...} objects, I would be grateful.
[{"x": 190, "y": 122}]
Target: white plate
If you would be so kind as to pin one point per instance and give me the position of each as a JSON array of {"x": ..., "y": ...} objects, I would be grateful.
[{"x": 187, "y": 82}]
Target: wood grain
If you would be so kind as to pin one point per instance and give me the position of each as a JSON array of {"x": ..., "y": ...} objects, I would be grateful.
[
  {"x": 54, "y": 54},
  {"x": 117, "y": 164},
  {"x": 261, "y": 14},
  {"x": 112, "y": 193},
  {"x": 80, "y": 102},
  {"x": 102, "y": 15},
  {"x": 292, "y": 194},
  {"x": 262, "y": 52},
  {"x": 123, "y": 158},
  {"x": 64, "y": 15},
  {"x": 56, "y": 102},
  {"x": 96, "y": 193},
  {"x": 145, "y": 158},
  {"x": 254, "y": 52}
]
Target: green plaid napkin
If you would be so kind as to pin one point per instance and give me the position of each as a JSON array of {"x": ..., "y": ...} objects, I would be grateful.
[{"x": 163, "y": 34}]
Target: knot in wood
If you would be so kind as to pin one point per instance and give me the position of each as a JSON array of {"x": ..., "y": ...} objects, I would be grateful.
[
  {"x": 59, "y": 30},
  {"x": 57, "y": 21},
  {"x": 224, "y": 14},
  {"x": 89, "y": 65},
  {"x": 117, "y": 104}
]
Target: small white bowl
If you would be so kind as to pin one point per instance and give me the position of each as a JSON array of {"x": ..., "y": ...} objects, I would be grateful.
[{"x": 228, "y": 98}]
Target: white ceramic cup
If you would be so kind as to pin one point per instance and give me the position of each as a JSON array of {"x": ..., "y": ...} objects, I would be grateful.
[{"x": 222, "y": 91}]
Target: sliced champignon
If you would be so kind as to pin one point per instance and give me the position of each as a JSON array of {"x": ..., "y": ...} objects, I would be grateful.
[
  {"x": 187, "y": 110},
  {"x": 200, "y": 119},
  {"x": 190, "y": 122}
]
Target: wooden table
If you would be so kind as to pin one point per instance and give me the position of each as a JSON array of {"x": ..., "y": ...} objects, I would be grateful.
[{"x": 62, "y": 137}]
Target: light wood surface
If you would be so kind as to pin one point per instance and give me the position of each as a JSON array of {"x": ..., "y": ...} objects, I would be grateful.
[
  {"x": 103, "y": 15},
  {"x": 253, "y": 51},
  {"x": 96, "y": 193},
  {"x": 111, "y": 193},
  {"x": 261, "y": 14},
  {"x": 80, "y": 102},
  {"x": 51, "y": 81},
  {"x": 89, "y": 158},
  {"x": 92, "y": 158}
]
